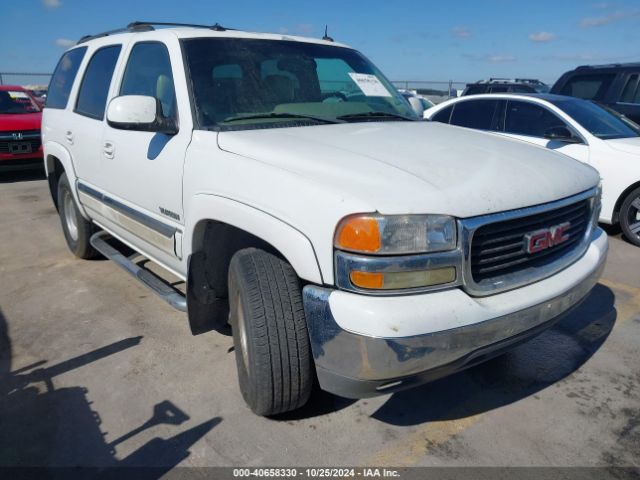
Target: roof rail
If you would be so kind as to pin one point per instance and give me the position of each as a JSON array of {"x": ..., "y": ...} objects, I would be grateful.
[{"x": 149, "y": 26}]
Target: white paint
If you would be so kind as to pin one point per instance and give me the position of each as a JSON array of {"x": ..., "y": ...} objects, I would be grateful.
[
  {"x": 132, "y": 109},
  {"x": 617, "y": 161}
]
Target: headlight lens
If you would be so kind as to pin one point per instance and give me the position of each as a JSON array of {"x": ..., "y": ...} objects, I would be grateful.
[{"x": 396, "y": 234}]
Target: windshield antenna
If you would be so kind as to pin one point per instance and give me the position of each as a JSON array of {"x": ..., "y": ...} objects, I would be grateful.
[{"x": 326, "y": 37}]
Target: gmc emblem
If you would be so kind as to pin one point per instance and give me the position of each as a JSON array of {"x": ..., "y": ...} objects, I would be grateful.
[
  {"x": 539, "y": 240},
  {"x": 17, "y": 136}
]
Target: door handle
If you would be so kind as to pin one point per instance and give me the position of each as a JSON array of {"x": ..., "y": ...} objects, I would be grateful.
[
  {"x": 109, "y": 149},
  {"x": 69, "y": 137}
]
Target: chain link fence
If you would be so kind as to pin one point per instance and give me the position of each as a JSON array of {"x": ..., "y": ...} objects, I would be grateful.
[{"x": 433, "y": 90}]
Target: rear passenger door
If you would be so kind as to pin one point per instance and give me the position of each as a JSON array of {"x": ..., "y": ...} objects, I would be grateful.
[
  {"x": 529, "y": 121},
  {"x": 84, "y": 133},
  {"x": 142, "y": 171}
]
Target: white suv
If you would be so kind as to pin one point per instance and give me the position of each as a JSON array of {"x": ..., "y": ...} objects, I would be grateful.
[{"x": 301, "y": 199}]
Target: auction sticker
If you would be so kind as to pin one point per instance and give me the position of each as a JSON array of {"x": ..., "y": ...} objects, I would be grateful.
[{"x": 369, "y": 84}]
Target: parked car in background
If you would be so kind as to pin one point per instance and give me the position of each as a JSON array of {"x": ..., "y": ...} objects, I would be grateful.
[
  {"x": 409, "y": 94},
  {"x": 293, "y": 189},
  {"x": 578, "y": 128},
  {"x": 500, "y": 85},
  {"x": 20, "y": 119},
  {"x": 616, "y": 86}
]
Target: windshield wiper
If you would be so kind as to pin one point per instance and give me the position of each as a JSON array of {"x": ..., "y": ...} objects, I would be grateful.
[
  {"x": 375, "y": 115},
  {"x": 260, "y": 116}
]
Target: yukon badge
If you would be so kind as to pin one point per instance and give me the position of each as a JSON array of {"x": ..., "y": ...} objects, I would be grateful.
[{"x": 540, "y": 240}]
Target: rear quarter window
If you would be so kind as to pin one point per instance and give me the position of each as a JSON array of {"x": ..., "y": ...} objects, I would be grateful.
[
  {"x": 478, "y": 114},
  {"x": 443, "y": 116},
  {"x": 589, "y": 87},
  {"x": 63, "y": 77}
]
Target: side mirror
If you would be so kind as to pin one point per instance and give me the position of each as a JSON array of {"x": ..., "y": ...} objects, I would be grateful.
[
  {"x": 561, "y": 134},
  {"x": 139, "y": 112},
  {"x": 416, "y": 104}
]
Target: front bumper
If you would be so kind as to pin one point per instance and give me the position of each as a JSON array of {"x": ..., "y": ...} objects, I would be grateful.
[{"x": 358, "y": 365}]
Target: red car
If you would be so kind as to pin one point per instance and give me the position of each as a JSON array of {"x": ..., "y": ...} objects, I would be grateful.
[{"x": 20, "y": 119}]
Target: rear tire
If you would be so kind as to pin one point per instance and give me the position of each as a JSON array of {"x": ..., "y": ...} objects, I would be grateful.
[
  {"x": 630, "y": 217},
  {"x": 270, "y": 335},
  {"x": 77, "y": 230}
]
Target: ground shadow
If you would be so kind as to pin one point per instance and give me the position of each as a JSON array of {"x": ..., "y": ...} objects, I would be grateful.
[
  {"x": 27, "y": 174},
  {"x": 529, "y": 368},
  {"x": 42, "y": 426}
]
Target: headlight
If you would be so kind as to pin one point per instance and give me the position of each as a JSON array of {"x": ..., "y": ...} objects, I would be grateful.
[{"x": 396, "y": 234}]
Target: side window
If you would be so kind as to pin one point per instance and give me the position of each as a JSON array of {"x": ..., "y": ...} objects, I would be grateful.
[
  {"x": 443, "y": 116},
  {"x": 589, "y": 87},
  {"x": 631, "y": 93},
  {"x": 524, "y": 118},
  {"x": 63, "y": 77},
  {"x": 148, "y": 72},
  {"x": 477, "y": 114},
  {"x": 92, "y": 97},
  {"x": 475, "y": 89}
]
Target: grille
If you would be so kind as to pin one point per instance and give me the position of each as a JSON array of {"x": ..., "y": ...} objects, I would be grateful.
[
  {"x": 498, "y": 249},
  {"x": 32, "y": 137}
]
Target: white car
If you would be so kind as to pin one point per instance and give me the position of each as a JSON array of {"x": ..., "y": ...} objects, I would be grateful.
[
  {"x": 581, "y": 129},
  {"x": 299, "y": 196}
]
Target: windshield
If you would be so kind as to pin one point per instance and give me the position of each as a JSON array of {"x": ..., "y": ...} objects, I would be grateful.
[
  {"x": 245, "y": 83},
  {"x": 15, "y": 101},
  {"x": 600, "y": 121}
]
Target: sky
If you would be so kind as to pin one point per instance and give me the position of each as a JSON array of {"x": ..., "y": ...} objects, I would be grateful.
[{"x": 460, "y": 40}]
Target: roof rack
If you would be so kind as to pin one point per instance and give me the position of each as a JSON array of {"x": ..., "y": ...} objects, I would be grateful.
[{"x": 149, "y": 26}]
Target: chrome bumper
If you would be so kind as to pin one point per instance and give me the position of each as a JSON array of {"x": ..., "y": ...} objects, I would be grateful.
[{"x": 358, "y": 366}]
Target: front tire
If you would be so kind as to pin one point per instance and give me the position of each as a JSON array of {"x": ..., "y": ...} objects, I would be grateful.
[
  {"x": 77, "y": 230},
  {"x": 269, "y": 333},
  {"x": 630, "y": 217}
]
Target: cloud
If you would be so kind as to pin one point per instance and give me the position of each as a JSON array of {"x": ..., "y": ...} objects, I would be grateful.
[
  {"x": 490, "y": 58},
  {"x": 541, "y": 37},
  {"x": 590, "y": 22},
  {"x": 52, "y": 3},
  {"x": 65, "y": 42},
  {"x": 461, "y": 32}
]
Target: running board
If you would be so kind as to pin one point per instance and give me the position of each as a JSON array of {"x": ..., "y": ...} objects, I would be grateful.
[{"x": 147, "y": 278}]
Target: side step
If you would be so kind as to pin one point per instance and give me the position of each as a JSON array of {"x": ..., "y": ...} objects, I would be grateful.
[{"x": 154, "y": 283}]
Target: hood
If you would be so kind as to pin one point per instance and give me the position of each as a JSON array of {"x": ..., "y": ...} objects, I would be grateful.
[
  {"x": 11, "y": 122},
  {"x": 417, "y": 167},
  {"x": 626, "y": 145}
]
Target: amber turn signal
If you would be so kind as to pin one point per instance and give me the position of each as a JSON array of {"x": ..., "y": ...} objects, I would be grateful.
[{"x": 358, "y": 234}]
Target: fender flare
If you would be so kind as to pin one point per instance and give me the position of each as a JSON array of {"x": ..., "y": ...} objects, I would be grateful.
[
  {"x": 294, "y": 245},
  {"x": 64, "y": 157}
]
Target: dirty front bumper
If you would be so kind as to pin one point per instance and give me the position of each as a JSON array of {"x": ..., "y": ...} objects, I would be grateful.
[{"x": 358, "y": 365}]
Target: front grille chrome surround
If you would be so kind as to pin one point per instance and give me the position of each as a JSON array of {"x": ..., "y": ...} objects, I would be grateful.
[{"x": 477, "y": 277}]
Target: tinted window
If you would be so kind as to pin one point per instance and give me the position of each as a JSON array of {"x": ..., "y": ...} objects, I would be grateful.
[
  {"x": 474, "y": 114},
  {"x": 92, "y": 97},
  {"x": 631, "y": 94},
  {"x": 475, "y": 89},
  {"x": 63, "y": 77},
  {"x": 524, "y": 118},
  {"x": 600, "y": 121},
  {"x": 443, "y": 115},
  {"x": 591, "y": 87},
  {"x": 499, "y": 89},
  {"x": 148, "y": 72}
]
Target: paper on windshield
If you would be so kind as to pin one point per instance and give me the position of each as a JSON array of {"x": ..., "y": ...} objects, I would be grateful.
[{"x": 369, "y": 84}]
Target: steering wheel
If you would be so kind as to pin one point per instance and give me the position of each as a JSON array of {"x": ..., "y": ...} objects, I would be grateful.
[{"x": 336, "y": 94}]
